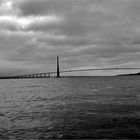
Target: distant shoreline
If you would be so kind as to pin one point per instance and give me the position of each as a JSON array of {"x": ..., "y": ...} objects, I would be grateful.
[{"x": 131, "y": 74}]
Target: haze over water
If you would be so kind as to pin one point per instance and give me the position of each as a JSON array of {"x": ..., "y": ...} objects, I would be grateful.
[{"x": 74, "y": 107}]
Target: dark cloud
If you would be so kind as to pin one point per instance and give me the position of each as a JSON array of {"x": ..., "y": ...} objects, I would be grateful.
[
  {"x": 43, "y": 7},
  {"x": 77, "y": 19}
]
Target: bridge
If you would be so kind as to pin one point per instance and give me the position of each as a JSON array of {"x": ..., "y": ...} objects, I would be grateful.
[{"x": 58, "y": 72}]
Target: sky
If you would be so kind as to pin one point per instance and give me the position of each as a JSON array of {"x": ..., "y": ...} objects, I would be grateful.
[{"x": 83, "y": 33}]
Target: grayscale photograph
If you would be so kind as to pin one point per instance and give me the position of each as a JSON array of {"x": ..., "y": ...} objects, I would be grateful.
[{"x": 69, "y": 69}]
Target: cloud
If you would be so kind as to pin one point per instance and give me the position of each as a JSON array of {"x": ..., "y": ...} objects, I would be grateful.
[
  {"x": 84, "y": 33},
  {"x": 77, "y": 18}
]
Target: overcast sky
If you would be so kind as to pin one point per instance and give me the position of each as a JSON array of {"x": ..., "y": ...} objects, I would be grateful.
[{"x": 84, "y": 33}]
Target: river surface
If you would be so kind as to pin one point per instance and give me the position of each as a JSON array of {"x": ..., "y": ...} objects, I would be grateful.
[{"x": 70, "y": 108}]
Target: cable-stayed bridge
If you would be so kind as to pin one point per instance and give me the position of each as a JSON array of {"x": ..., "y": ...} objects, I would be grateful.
[{"x": 57, "y": 73}]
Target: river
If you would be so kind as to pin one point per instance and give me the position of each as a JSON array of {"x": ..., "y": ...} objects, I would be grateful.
[{"x": 70, "y": 108}]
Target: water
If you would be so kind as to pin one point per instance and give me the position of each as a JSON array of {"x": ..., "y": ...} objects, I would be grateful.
[{"x": 80, "y": 107}]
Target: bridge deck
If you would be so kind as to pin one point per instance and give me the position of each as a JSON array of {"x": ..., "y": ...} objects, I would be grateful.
[{"x": 48, "y": 74}]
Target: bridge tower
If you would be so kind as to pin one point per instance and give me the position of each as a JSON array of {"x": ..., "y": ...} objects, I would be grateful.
[{"x": 58, "y": 71}]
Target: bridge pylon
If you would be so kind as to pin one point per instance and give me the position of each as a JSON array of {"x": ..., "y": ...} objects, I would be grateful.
[{"x": 58, "y": 71}]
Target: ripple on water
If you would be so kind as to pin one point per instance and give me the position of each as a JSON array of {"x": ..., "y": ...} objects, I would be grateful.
[{"x": 95, "y": 107}]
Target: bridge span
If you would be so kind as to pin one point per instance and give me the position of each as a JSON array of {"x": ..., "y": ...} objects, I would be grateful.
[{"x": 58, "y": 72}]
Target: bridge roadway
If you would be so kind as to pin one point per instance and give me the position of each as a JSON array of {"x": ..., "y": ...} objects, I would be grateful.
[{"x": 49, "y": 74}]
